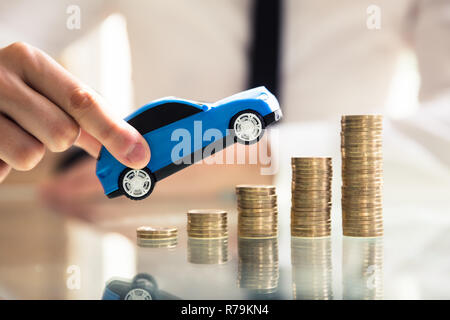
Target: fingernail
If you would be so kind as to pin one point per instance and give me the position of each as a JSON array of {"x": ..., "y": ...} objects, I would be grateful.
[{"x": 136, "y": 153}]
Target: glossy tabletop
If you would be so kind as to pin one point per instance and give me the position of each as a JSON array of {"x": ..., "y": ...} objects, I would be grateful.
[{"x": 44, "y": 254}]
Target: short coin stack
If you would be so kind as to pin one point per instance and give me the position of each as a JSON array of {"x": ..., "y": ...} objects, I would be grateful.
[
  {"x": 362, "y": 175},
  {"x": 311, "y": 197},
  {"x": 257, "y": 211},
  {"x": 207, "y": 251},
  {"x": 157, "y": 237},
  {"x": 207, "y": 224},
  {"x": 258, "y": 268},
  {"x": 311, "y": 269}
]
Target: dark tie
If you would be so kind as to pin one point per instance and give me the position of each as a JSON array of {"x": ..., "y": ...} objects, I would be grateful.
[{"x": 264, "y": 52}]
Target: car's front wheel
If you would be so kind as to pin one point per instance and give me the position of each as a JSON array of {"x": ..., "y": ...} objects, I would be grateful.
[
  {"x": 247, "y": 126},
  {"x": 136, "y": 184}
]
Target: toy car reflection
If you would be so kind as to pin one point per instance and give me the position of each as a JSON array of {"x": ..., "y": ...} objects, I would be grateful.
[
  {"x": 244, "y": 115},
  {"x": 142, "y": 287}
]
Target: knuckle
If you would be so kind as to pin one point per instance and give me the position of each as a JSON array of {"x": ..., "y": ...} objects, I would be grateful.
[
  {"x": 64, "y": 136},
  {"x": 28, "y": 157},
  {"x": 82, "y": 100},
  {"x": 22, "y": 51},
  {"x": 16, "y": 48}
]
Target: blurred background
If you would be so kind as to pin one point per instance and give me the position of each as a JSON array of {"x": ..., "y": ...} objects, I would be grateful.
[{"x": 330, "y": 58}]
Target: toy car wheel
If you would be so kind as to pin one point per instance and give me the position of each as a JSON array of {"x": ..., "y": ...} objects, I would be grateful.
[
  {"x": 248, "y": 127},
  {"x": 136, "y": 184},
  {"x": 138, "y": 294}
]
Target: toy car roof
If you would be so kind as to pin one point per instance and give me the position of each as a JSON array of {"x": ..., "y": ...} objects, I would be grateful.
[{"x": 248, "y": 94}]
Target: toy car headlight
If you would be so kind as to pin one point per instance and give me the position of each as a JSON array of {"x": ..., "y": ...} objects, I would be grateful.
[{"x": 278, "y": 114}]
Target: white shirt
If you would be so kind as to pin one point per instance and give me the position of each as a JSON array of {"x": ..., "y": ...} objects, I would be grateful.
[{"x": 332, "y": 63}]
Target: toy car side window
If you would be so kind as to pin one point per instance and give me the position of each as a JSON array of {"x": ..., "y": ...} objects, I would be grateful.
[{"x": 162, "y": 115}]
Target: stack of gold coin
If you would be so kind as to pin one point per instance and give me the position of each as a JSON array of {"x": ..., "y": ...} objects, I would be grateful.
[
  {"x": 157, "y": 237},
  {"x": 362, "y": 175},
  {"x": 311, "y": 197},
  {"x": 311, "y": 269},
  {"x": 362, "y": 267},
  {"x": 258, "y": 269},
  {"x": 207, "y": 224},
  {"x": 257, "y": 211},
  {"x": 207, "y": 251}
]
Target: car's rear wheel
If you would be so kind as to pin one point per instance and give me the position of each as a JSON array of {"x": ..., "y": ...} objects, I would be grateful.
[
  {"x": 247, "y": 126},
  {"x": 136, "y": 184}
]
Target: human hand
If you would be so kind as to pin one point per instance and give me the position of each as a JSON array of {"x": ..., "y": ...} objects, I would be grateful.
[{"x": 43, "y": 106}]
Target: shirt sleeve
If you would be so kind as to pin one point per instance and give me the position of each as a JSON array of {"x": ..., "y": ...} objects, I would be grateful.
[{"x": 431, "y": 42}]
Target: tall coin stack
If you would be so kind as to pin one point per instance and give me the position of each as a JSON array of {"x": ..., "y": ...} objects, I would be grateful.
[
  {"x": 258, "y": 268},
  {"x": 257, "y": 211},
  {"x": 311, "y": 197},
  {"x": 207, "y": 224},
  {"x": 362, "y": 175}
]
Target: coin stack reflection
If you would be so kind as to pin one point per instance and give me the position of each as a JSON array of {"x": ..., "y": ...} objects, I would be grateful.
[
  {"x": 157, "y": 237},
  {"x": 311, "y": 197},
  {"x": 362, "y": 266},
  {"x": 257, "y": 211},
  {"x": 207, "y": 251},
  {"x": 311, "y": 269},
  {"x": 362, "y": 175},
  {"x": 258, "y": 269},
  {"x": 207, "y": 224}
]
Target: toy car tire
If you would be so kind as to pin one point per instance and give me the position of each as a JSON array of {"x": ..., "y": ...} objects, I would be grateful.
[
  {"x": 249, "y": 117},
  {"x": 136, "y": 184}
]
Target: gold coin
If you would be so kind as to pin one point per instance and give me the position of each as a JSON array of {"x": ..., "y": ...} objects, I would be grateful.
[
  {"x": 362, "y": 223},
  {"x": 153, "y": 230},
  {"x": 207, "y": 222},
  {"x": 311, "y": 209},
  {"x": 311, "y": 161},
  {"x": 363, "y": 219},
  {"x": 304, "y": 222},
  {"x": 255, "y": 224},
  {"x": 317, "y": 215},
  {"x": 265, "y": 225},
  {"x": 312, "y": 206},
  {"x": 208, "y": 212},
  {"x": 208, "y": 234},
  {"x": 255, "y": 189},
  {"x": 307, "y": 234},
  {"x": 363, "y": 234},
  {"x": 257, "y": 206},
  {"x": 156, "y": 233},
  {"x": 259, "y": 216},
  {"x": 311, "y": 231}
]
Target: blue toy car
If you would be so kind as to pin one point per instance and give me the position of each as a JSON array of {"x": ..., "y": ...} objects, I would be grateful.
[{"x": 242, "y": 116}]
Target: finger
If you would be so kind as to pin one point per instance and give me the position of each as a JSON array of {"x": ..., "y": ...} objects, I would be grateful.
[
  {"x": 17, "y": 148},
  {"x": 36, "y": 114},
  {"x": 4, "y": 170},
  {"x": 87, "y": 108},
  {"x": 88, "y": 143}
]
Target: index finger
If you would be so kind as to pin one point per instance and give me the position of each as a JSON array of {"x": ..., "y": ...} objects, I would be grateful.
[{"x": 87, "y": 107}]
